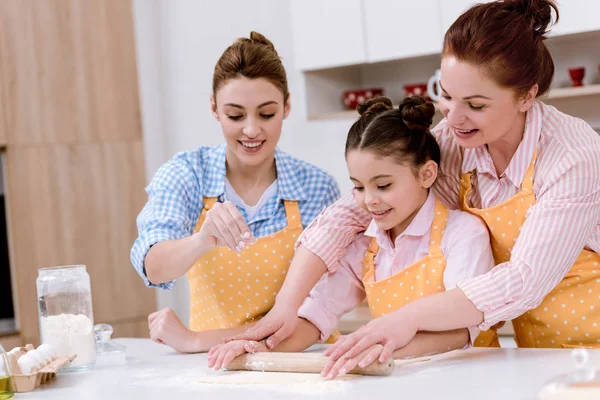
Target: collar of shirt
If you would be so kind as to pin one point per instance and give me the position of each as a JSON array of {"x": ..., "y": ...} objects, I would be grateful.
[
  {"x": 418, "y": 227},
  {"x": 289, "y": 184},
  {"x": 480, "y": 159}
]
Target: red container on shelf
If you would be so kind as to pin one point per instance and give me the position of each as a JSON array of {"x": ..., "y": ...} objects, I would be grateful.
[
  {"x": 352, "y": 98},
  {"x": 577, "y": 75},
  {"x": 416, "y": 89}
]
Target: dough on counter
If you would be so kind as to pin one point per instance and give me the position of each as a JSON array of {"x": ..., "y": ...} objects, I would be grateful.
[{"x": 267, "y": 378}]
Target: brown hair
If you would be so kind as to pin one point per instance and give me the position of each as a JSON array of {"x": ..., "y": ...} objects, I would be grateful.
[
  {"x": 251, "y": 58},
  {"x": 401, "y": 132},
  {"x": 505, "y": 38}
]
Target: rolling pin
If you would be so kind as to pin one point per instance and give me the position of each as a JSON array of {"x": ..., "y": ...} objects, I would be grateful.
[{"x": 300, "y": 362}]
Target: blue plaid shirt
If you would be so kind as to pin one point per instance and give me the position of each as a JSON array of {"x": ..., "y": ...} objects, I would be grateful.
[{"x": 175, "y": 198}]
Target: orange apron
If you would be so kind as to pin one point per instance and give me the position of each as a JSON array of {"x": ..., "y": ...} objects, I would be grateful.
[
  {"x": 570, "y": 314},
  {"x": 229, "y": 289},
  {"x": 422, "y": 278}
]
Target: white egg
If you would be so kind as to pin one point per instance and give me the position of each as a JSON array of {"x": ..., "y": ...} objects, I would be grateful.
[
  {"x": 48, "y": 351},
  {"x": 26, "y": 363},
  {"x": 40, "y": 360}
]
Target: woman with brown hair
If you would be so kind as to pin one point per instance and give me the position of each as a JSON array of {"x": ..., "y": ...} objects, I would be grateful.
[
  {"x": 529, "y": 171},
  {"x": 228, "y": 216}
]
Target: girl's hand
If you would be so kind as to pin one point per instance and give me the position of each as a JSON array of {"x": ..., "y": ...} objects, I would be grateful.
[
  {"x": 279, "y": 323},
  {"x": 221, "y": 355},
  {"x": 344, "y": 365},
  {"x": 225, "y": 226},
  {"x": 392, "y": 331},
  {"x": 166, "y": 328}
]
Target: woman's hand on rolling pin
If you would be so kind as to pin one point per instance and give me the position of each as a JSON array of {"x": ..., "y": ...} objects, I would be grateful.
[
  {"x": 392, "y": 331},
  {"x": 166, "y": 328},
  {"x": 279, "y": 323},
  {"x": 222, "y": 354},
  {"x": 225, "y": 226},
  {"x": 344, "y": 365}
]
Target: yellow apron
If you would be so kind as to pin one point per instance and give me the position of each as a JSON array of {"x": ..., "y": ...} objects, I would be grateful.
[
  {"x": 422, "y": 278},
  {"x": 569, "y": 315},
  {"x": 229, "y": 289}
]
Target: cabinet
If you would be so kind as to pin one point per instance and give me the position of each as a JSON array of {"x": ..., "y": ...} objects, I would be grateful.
[
  {"x": 74, "y": 154},
  {"x": 577, "y": 16},
  {"x": 401, "y": 28},
  {"x": 327, "y": 33},
  {"x": 336, "y": 33},
  {"x": 452, "y": 9}
]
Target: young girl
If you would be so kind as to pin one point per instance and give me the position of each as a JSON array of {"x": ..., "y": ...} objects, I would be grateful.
[
  {"x": 229, "y": 215},
  {"x": 414, "y": 245}
]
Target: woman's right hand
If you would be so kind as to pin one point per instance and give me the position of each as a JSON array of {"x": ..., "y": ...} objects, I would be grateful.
[
  {"x": 224, "y": 225},
  {"x": 276, "y": 326},
  {"x": 166, "y": 328}
]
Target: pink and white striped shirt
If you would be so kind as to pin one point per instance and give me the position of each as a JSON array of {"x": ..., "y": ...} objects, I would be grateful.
[{"x": 564, "y": 220}]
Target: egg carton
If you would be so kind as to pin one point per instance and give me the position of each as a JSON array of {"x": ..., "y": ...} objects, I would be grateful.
[{"x": 28, "y": 382}]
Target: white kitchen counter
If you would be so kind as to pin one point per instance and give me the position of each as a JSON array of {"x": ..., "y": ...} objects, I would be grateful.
[{"x": 153, "y": 371}]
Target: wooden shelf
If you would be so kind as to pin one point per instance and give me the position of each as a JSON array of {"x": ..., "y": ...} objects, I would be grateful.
[
  {"x": 559, "y": 93},
  {"x": 566, "y": 92}
]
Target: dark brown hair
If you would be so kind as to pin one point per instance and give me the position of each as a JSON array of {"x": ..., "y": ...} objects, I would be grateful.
[
  {"x": 401, "y": 132},
  {"x": 505, "y": 38},
  {"x": 251, "y": 58}
]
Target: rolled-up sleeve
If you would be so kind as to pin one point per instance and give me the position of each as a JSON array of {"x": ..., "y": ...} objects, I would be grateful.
[
  {"x": 173, "y": 206},
  {"x": 556, "y": 230},
  {"x": 333, "y": 230}
]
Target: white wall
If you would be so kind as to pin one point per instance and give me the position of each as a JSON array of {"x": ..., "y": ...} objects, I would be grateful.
[{"x": 178, "y": 44}]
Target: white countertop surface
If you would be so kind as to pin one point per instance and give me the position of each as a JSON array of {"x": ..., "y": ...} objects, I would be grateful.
[{"x": 153, "y": 371}]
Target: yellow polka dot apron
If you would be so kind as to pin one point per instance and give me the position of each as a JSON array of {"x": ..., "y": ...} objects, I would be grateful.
[
  {"x": 569, "y": 316},
  {"x": 422, "y": 278},
  {"x": 229, "y": 289}
]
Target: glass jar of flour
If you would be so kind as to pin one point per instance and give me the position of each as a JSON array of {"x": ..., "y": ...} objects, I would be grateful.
[{"x": 66, "y": 316}]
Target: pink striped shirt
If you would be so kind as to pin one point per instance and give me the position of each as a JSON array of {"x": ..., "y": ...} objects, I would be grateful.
[
  {"x": 564, "y": 220},
  {"x": 465, "y": 245}
]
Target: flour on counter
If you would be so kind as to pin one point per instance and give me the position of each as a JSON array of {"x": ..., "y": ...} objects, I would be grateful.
[
  {"x": 281, "y": 381},
  {"x": 70, "y": 334}
]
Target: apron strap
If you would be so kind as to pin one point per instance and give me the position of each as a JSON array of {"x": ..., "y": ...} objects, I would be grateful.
[
  {"x": 438, "y": 226},
  {"x": 369, "y": 259},
  {"x": 209, "y": 202},
  {"x": 527, "y": 183},
  {"x": 292, "y": 213}
]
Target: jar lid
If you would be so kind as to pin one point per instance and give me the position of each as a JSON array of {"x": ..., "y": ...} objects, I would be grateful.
[
  {"x": 583, "y": 382},
  {"x": 104, "y": 344}
]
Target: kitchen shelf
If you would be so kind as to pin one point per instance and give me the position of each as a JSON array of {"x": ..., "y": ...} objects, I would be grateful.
[
  {"x": 554, "y": 94},
  {"x": 567, "y": 92}
]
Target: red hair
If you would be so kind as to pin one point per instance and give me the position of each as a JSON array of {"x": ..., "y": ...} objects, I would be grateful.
[{"x": 506, "y": 40}]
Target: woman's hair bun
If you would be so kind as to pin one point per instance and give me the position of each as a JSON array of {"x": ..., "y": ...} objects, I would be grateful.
[
  {"x": 538, "y": 13},
  {"x": 374, "y": 106},
  {"x": 417, "y": 113},
  {"x": 259, "y": 38}
]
